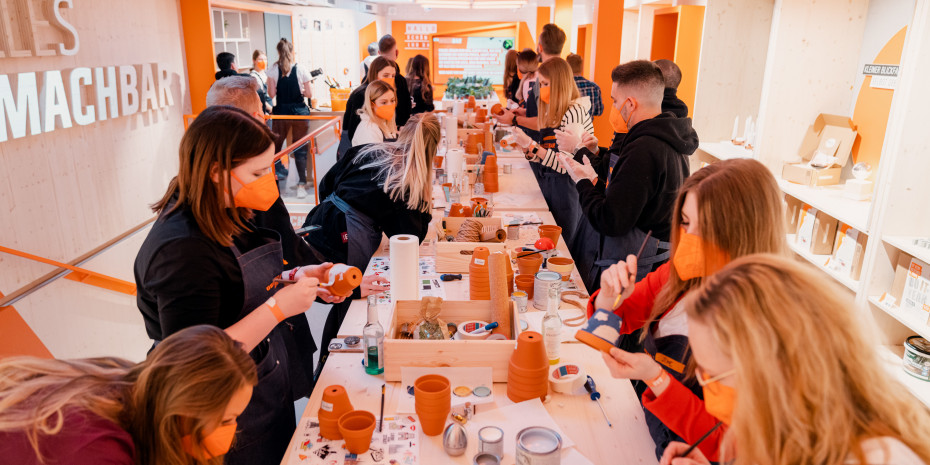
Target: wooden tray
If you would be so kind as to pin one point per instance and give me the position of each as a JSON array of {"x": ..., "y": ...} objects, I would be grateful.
[
  {"x": 454, "y": 257},
  {"x": 429, "y": 353}
]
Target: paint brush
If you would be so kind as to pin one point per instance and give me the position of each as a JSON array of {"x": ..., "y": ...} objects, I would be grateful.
[
  {"x": 705, "y": 436},
  {"x": 285, "y": 281},
  {"x": 381, "y": 418},
  {"x": 638, "y": 254}
]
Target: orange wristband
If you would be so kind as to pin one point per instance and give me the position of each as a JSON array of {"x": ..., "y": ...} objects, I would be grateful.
[
  {"x": 658, "y": 380},
  {"x": 279, "y": 315}
]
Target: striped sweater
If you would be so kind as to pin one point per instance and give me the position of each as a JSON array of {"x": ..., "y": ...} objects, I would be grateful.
[{"x": 578, "y": 113}]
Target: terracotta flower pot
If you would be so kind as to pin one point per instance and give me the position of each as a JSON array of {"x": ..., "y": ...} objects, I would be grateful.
[
  {"x": 433, "y": 402},
  {"x": 343, "y": 279},
  {"x": 562, "y": 266},
  {"x": 523, "y": 372},
  {"x": 550, "y": 231},
  {"x": 457, "y": 209},
  {"x": 516, "y": 394},
  {"x": 478, "y": 280},
  {"x": 437, "y": 161},
  {"x": 530, "y": 352},
  {"x": 529, "y": 264},
  {"x": 497, "y": 109},
  {"x": 481, "y": 115},
  {"x": 335, "y": 403},
  {"x": 357, "y": 428},
  {"x": 525, "y": 283}
]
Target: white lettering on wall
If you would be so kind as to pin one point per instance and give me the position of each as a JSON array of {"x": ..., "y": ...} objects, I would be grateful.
[
  {"x": 22, "y": 109},
  {"x": 29, "y": 17},
  {"x": 83, "y": 115},
  {"x": 53, "y": 101},
  {"x": 128, "y": 93},
  {"x": 106, "y": 93}
]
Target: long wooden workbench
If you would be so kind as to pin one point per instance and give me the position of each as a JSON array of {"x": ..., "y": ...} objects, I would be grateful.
[{"x": 626, "y": 442}]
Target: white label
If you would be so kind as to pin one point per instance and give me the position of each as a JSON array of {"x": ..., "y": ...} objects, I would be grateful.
[
  {"x": 884, "y": 82},
  {"x": 553, "y": 340},
  {"x": 326, "y": 406},
  {"x": 479, "y": 262}
]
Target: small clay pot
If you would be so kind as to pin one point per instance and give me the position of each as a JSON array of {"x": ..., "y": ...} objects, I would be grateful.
[
  {"x": 497, "y": 109},
  {"x": 343, "y": 279},
  {"x": 479, "y": 285},
  {"x": 357, "y": 427},
  {"x": 530, "y": 352},
  {"x": 529, "y": 264},
  {"x": 550, "y": 231},
  {"x": 335, "y": 403},
  {"x": 433, "y": 402},
  {"x": 562, "y": 266},
  {"x": 457, "y": 209},
  {"x": 481, "y": 115},
  {"x": 526, "y": 283},
  {"x": 437, "y": 161},
  {"x": 517, "y": 394},
  {"x": 531, "y": 373},
  {"x": 475, "y": 201}
]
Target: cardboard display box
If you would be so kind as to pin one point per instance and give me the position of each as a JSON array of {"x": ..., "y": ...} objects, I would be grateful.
[
  {"x": 839, "y": 129},
  {"x": 454, "y": 257},
  {"x": 447, "y": 353},
  {"x": 848, "y": 251},
  {"x": 816, "y": 231},
  {"x": 911, "y": 287},
  {"x": 792, "y": 213}
]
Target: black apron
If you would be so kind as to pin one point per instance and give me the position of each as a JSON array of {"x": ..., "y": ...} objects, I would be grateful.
[
  {"x": 559, "y": 191},
  {"x": 267, "y": 424},
  {"x": 363, "y": 239},
  {"x": 672, "y": 353}
]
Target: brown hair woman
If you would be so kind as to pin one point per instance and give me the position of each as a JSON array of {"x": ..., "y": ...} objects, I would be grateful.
[
  {"x": 178, "y": 407},
  {"x": 205, "y": 262},
  {"x": 420, "y": 85},
  {"x": 785, "y": 359},
  {"x": 723, "y": 211}
]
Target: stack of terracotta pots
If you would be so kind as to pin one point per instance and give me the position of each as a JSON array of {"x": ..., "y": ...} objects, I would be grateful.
[
  {"x": 528, "y": 263},
  {"x": 479, "y": 282},
  {"x": 509, "y": 277},
  {"x": 528, "y": 374},
  {"x": 457, "y": 209},
  {"x": 432, "y": 395},
  {"x": 472, "y": 141},
  {"x": 526, "y": 283},
  {"x": 481, "y": 115},
  {"x": 490, "y": 174},
  {"x": 357, "y": 427},
  {"x": 335, "y": 404}
]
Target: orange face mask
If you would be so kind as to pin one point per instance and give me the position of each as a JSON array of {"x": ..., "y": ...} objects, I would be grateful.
[
  {"x": 616, "y": 121},
  {"x": 259, "y": 194},
  {"x": 520, "y": 74},
  {"x": 719, "y": 399},
  {"x": 387, "y": 81},
  {"x": 386, "y": 112},
  {"x": 697, "y": 258},
  {"x": 545, "y": 93},
  {"x": 261, "y": 64},
  {"x": 215, "y": 444}
]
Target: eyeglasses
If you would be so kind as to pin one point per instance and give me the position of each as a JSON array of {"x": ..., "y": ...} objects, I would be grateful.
[{"x": 704, "y": 380}]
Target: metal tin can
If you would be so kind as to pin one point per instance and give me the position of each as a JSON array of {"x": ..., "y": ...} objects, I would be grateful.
[
  {"x": 491, "y": 441},
  {"x": 544, "y": 281},
  {"x": 538, "y": 445},
  {"x": 483, "y": 458},
  {"x": 508, "y": 168},
  {"x": 917, "y": 357}
]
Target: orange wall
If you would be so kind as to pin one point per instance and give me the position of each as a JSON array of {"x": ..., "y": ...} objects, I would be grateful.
[
  {"x": 873, "y": 107},
  {"x": 366, "y": 35},
  {"x": 562, "y": 17},
  {"x": 688, "y": 51},
  {"x": 664, "y": 30},
  {"x": 605, "y": 54},
  {"x": 195, "y": 22},
  {"x": 543, "y": 17},
  {"x": 584, "y": 47},
  {"x": 19, "y": 338}
]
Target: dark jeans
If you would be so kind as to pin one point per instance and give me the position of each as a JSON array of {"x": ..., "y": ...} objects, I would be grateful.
[{"x": 298, "y": 129}]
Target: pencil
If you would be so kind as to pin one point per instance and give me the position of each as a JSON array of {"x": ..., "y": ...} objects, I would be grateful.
[
  {"x": 693, "y": 446},
  {"x": 381, "y": 421},
  {"x": 638, "y": 254}
]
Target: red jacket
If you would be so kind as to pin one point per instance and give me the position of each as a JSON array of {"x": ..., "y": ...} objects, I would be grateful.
[{"x": 678, "y": 408}]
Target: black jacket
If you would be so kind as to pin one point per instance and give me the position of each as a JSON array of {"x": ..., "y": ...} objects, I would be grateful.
[
  {"x": 671, "y": 103},
  {"x": 421, "y": 104},
  {"x": 511, "y": 92},
  {"x": 652, "y": 163},
  {"x": 351, "y": 120},
  {"x": 226, "y": 73},
  {"x": 361, "y": 189}
]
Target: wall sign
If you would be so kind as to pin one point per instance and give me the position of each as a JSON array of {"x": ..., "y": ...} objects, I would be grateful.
[
  {"x": 883, "y": 76},
  {"x": 417, "y": 35},
  {"x": 38, "y": 102}
]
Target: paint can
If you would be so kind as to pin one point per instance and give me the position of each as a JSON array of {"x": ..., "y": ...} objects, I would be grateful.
[
  {"x": 482, "y": 458},
  {"x": 538, "y": 445},
  {"x": 491, "y": 441},
  {"x": 917, "y": 357},
  {"x": 545, "y": 280}
]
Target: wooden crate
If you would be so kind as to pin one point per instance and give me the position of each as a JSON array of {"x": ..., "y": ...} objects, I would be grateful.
[
  {"x": 449, "y": 255},
  {"x": 429, "y": 353}
]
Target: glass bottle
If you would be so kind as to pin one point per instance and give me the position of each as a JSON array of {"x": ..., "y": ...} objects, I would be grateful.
[
  {"x": 373, "y": 335},
  {"x": 552, "y": 326},
  {"x": 455, "y": 193}
]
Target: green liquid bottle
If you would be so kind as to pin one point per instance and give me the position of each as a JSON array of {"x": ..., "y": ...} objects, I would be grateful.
[{"x": 373, "y": 336}]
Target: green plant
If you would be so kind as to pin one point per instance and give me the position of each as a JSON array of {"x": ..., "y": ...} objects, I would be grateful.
[{"x": 468, "y": 86}]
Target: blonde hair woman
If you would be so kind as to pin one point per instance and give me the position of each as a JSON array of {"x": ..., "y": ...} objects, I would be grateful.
[
  {"x": 786, "y": 361},
  {"x": 561, "y": 107},
  {"x": 178, "y": 407},
  {"x": 726, "y": 210},
  {"x": 377, "y": 115}
]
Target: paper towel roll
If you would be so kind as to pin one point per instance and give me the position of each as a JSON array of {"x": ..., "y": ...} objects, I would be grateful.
[
  {"x": 500, "y": 299},
  {"x": 451, "y": 125},
  {"x": 459, "y": 107},
  {"x": 454, "y": 158},
  {"x": 405, "y": 267}
]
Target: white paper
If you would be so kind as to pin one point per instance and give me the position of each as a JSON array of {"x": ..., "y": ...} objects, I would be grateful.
[
  {"x": 534, "y": 322},
  {"x": 399, "y": 442},
  {"x": 458, "y": 376},
  {"x": 512, "y": 419}
]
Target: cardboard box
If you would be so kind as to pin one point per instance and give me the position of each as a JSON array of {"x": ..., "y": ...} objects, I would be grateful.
[
  {"x": 792, "y": 213},
  {"x": 848, "y": 251},
  {"x": 911, "y": 287},
  {"x": 454, "y": 257},
  {"x": 826, "y": 127},
  {"x": 816, "y": 231},
  {"x": 447, "y": 353}
]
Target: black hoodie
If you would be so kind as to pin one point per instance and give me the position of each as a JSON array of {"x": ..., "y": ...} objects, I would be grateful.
[
  {"x": 652, "y": 164},
  {"x": 671, "y": 102}
]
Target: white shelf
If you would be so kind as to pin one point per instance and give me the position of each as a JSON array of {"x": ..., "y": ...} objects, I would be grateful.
[
  {"x": 907, "y": 245},
  {"x": 917, "y": 387},
  {"x": 819, "y": 261},
  {"x": 724, "y": 150},
  {"x": 830, "y": 200},
  {"x": 915, "y": 319}
]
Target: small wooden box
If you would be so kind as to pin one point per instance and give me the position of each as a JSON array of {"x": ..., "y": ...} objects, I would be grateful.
[
  {"x": 449, "y": 255},
  {"x": 446, "y": 353}
]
